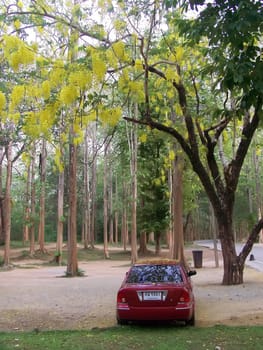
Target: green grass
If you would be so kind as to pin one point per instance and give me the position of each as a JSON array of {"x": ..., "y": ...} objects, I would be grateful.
[{"x": 138, "y": 337}]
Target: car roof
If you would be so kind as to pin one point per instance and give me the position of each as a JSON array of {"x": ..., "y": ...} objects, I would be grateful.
[{"x": 156, "y": 261}]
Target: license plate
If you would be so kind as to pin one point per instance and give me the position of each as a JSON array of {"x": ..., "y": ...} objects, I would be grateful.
[{"x": 152, "y": 296}]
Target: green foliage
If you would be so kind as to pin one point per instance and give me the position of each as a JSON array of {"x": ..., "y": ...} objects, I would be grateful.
[
  {"x": 153, "y": 199},
  {"x": 234, "y": 32}
]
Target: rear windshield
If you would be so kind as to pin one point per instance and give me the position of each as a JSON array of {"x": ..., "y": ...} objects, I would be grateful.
[{"x": 155, "y": 273}]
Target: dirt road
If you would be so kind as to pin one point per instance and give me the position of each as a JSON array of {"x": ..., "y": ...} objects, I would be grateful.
[{"x": 41, "y": 298}]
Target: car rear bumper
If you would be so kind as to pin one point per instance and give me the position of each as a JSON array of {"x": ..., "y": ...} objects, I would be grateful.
[{"x": 183, "y": 313}]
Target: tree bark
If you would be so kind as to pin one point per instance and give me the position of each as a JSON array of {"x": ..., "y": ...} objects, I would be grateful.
[
  {"x": 42, "y": 173},
  {"x": 60, "y": 217},
  {"x": 86, "y": 196},
  {"x": 33, "y": 201},
  {"x": 177, "y": 213},
  {"x": 2, "y": 234},
  {"x": 133, "y": 143},
  {"x": 7, "y": 204},
  {"x": 72, "y": 265},
  {"x": 105, "y": 203}
]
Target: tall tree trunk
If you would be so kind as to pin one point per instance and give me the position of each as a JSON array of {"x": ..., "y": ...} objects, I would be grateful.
[
  {"x": 177, "y": 247},
  {"x": 60, "y": 217},
  {"x": 27, "y": 207},
  {"x": 124, "y": 230},
  {"x": 111, "y": 214},
  {"x": 105, "y": 202},
  {"x": 116, "y": 213},
  {"x": 42, "y": 171},
  {"x": 86, "y": 197},
  {"x": 143, "y": 244},
  {"x": 2, "y": 234},
  {"x": 93, "y": 185},
  {"x": 133, "y": 152},
  {"x": 33, "y": 201},
  {"x": 72, "y": 265},
  {"x": 7, "y": 204}
]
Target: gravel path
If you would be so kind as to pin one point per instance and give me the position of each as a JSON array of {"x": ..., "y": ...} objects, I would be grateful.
[{"x": 42, "y": 299}]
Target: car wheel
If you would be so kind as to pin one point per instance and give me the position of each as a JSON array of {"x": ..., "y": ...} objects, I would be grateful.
[
  {"x": 122, "y": 322},
  {"x": 191, "y": 322}
]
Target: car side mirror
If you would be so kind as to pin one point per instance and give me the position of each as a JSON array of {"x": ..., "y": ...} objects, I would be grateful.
[{"x": 191, "y": 273}]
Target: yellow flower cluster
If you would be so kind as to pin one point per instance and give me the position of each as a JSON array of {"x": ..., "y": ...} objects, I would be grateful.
[
  {"x": 58, "y": 160},
  {"x": 2, "y": 101},
  {"x": 17, "y": 52},
  {"x": 17, "y": 96},
  {"x": 46, "y": 89},
  {"x": 81, "y": 79},
  {"x": 99, "y": 66},
  {"x": 68, "y": 94},
  {"x": 110, "y": 116}
]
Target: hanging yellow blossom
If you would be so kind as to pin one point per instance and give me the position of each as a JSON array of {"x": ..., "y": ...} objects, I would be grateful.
[
  {"x": 17, "y": 52},
  {"x": 138, "y": 65},
  {"x": 58, "y": 160},
  {"x": 137, "y": 90},
  {"x": 111, "y": 59},
  {"x": 98, "y": 66},
  {"x": 17, "y": 96},
  {"x": 171, "y": 155},
  {"x": 172, "y": 75},
  {"x": 119, "y": 25},
  {"x": 78, "y": 132},
  {"x": 179, "y": 54},
  {"x": 178, "y": 110},
  {"x": 17, "y": 24},
  {"x": 81, "y": 79},
  {"x": 46, "y": 89},
  {"x": 110, "y": 116},
  {"x": 119, "y": 49},
  {"x": 31, "y": 126},
  {"x": 14, "y": 117},
  {"x": 143, "y": 138},
  {"x": 68, "y": 94},
  {"x": 2, "y": 101}
]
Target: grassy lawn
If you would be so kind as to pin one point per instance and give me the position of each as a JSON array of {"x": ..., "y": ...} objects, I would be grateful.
[{"x": 138, "y": 337}]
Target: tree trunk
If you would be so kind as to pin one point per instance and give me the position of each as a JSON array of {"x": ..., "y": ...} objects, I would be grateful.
[
  {"x": 233, "y": 267},
  {"x": 33, "y": 202},
  {"x": 143, "y": 244},
  {"x": 72, "y": 265},
  {"x": 133, "y": 150},
  {"x": 42, "y": 171},
  {"x": 93, "y": 186},
  {"x": 158, "y": 243},
  {"x": 177, "y": 247},
  {"x": 111, "y": 214},
  {"x": 2, "y": 234},
  {"x": 27, "y": 207},
  {"x": 60, "y": 217},
  {"x": 7, "y": 204},
  {"x": 86, "y": 196},
  {"x": 105, "y": 203}
]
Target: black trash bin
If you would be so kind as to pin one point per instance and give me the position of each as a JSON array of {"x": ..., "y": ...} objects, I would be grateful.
[{"x": 198, "y": 258}]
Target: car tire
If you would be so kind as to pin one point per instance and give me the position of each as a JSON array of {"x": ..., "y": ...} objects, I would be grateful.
[
  {"x": 122, "y": 322},
  {"x": 191, "y": 322}
]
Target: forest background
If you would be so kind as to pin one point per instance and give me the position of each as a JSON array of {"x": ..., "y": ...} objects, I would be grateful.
[{"x": 120, "y": 120}]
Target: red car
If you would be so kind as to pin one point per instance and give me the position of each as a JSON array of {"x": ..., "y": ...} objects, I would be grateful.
[{"x": 156, "y": 291}]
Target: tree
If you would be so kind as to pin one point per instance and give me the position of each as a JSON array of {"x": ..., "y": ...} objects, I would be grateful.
[{"x": 240, "y": 69}]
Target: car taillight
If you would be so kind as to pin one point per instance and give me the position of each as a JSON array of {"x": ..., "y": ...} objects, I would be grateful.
[
  {"x": 122, "y": 303},
  {"x": 121, "y": 299},
  {"x": 185, "y": 297}
]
